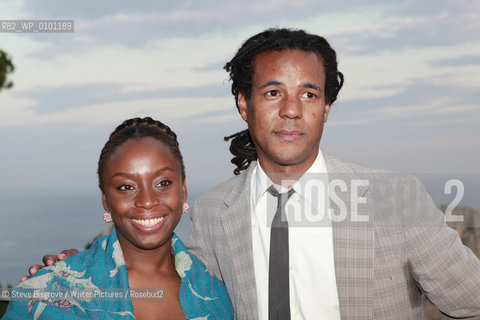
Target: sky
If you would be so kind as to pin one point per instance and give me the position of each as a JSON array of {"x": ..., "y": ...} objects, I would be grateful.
[{"x": 410, "y": 101}]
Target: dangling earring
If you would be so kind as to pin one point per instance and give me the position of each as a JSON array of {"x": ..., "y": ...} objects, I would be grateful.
[
  {"x": 185, "y": 207},
  {"x": 107, "y": 217}
]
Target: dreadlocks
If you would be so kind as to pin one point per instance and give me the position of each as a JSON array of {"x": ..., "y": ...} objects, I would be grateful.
[{"x": 241, "y": 70}]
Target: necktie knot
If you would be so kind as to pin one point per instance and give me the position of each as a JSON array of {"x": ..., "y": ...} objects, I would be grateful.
[
  {"x": 280, "y": 218},
  {"x": 282, "y": 197}
]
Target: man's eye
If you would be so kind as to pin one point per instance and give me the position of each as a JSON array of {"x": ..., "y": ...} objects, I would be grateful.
[
  {"x": 125, "y": 187},
  {"x": 164, "y": 183},
  {"x": 309, "y": 95},
  {"x": 273, "y": 93}
]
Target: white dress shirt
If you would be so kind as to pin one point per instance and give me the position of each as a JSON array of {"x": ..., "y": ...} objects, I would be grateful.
[{"x": 313, "y": 288}]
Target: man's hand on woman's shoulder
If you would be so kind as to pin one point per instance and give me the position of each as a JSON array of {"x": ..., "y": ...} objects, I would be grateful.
[{"x": 48, "y": 260}]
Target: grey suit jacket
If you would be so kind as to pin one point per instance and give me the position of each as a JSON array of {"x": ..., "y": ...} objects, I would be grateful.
[{"x": 382, "y": 266}]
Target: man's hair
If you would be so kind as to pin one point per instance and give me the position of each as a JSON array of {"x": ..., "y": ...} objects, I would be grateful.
[
  {"x": 139, "y": 128},
  {"x": 241, "y": 69}
]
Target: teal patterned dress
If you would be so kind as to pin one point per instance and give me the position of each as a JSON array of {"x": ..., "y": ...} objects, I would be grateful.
[{"x": 93, "y": 284}]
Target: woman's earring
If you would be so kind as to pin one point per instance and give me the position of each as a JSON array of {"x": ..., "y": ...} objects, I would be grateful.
[
  {"x": 185, "y": 207},
  {"x": 107, "y": 217}
]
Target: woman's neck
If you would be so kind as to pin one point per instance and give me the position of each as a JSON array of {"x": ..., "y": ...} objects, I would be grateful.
[{"x": 159, "y": 260}]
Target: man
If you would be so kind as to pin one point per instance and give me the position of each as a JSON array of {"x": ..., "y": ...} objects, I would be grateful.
[
  {"x": 371, "y": 259},
  {"x": 284, "y": 84}
]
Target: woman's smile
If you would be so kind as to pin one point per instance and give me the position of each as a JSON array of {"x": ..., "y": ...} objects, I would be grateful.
[{"x": 148, "y": 225}]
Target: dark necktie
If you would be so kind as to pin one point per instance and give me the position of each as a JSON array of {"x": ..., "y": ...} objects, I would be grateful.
[{"x": 278, "y": 273}]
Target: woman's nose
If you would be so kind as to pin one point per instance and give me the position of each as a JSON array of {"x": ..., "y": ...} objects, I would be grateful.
[{"x": 146, "y": 199}]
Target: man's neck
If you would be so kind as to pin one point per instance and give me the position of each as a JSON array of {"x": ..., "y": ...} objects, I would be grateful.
[{"x": 285, "y": 175}]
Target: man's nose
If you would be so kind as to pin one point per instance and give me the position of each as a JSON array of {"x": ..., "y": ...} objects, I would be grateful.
[{"x": 291, "y": 108}]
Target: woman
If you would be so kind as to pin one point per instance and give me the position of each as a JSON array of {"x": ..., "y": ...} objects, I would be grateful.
[{"x": 142, "y": 182}]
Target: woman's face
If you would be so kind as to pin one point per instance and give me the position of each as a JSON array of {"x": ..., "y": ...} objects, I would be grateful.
[{"x": 144, "y": 191}]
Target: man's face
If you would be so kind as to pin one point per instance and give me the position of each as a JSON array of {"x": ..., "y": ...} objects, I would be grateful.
[{"x": 287, "y": 109}]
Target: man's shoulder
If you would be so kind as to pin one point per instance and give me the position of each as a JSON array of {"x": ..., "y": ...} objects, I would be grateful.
[
  {"x": 383, "y": 182},
  {"x": 228, "y": 189},
  {"x": 336, "y": 165}
]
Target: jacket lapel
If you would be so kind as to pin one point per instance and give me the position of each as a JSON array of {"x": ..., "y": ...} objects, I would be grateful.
[
  {"x": 236, "y": 222},
  {"x": 353, "y": 243}
]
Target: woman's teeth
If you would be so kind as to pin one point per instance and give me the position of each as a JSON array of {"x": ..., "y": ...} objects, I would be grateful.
[{"x": 148, "y": 222}]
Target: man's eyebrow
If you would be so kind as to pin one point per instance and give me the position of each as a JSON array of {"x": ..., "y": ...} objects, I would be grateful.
[
  {"x": 270, "y": 83},
  {"x": 310, "y": 85},
  {"x": 307, "y": 85}
]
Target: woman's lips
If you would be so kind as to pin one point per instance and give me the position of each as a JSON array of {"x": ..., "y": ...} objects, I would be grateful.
[
  {"x": 148, "y": 222},
  {"x": 148, "y": 225}
]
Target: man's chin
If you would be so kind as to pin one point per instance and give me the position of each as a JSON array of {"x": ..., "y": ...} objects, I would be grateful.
[
  {"x": 290, "y": 156},
  {"x": 286, "y": 156},
  {"x": 289, "y": 161}
]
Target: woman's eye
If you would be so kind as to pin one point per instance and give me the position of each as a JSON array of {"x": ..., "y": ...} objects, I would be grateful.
[
  {"x": 164, "y": 183},
  {"x": 125, "y": 187}
]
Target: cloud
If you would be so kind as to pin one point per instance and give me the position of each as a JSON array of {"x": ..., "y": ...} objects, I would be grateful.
[
  {"x": 138, "y": 25},
  {"x": 164, "y": 59},
  {"x": 97, "y": 113},
  {"x": 362, "y": 27},
  {"x": 460, "y": 61},
  {"x": 50, "y": 100},
  {"x": 412, "y": 24},
  {"x": 219, "y": 116},
  {"x": 419, "y": 103},
  {"x": 194, "y": 11},
  {"x": 133, "y": 25}
]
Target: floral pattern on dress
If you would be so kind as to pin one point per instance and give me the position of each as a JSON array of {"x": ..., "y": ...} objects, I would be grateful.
[
  {"x": 117, "y": 257},
  {"x": 60, "y": 279},
  {"x": 197, "y": 295},
  {"x": 183, "y": 263}
]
